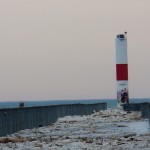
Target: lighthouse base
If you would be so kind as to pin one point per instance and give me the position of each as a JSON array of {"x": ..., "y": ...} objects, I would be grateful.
[{"x": 122, "y": 93}]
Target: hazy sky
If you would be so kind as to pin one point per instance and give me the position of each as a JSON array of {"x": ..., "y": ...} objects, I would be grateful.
[{"x": 65, "y": 49}]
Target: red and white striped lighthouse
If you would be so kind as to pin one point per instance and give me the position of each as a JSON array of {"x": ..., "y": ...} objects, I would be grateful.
[{"x": 122, "y": 69}]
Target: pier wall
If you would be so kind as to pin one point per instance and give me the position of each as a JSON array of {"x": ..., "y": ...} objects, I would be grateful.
[
  {"x": 16, "y": 119},
  {"x": 132, "y": 107},
  {"x": 149, "y": 113},
  {"x": 143, "y": 107},
  {"x": 145, "y": 110}
]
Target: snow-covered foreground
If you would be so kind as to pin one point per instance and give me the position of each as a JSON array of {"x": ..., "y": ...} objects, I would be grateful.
[{"x": 106, "y": 130}]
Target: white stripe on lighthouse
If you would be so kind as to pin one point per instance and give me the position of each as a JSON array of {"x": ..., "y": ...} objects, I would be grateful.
[{"x": 121, "y": 50}]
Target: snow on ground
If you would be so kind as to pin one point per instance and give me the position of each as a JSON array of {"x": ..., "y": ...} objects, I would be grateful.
[{"x": 107, "y": 130}]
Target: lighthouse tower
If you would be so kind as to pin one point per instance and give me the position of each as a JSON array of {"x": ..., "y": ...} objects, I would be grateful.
[{"x": 122, "y": 69}]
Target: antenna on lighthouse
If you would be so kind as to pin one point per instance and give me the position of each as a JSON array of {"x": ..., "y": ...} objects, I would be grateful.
[{"x": 122, "y": 69}]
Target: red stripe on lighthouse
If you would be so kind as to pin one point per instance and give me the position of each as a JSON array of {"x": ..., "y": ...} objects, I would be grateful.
[{"x": 122, "y": 71}]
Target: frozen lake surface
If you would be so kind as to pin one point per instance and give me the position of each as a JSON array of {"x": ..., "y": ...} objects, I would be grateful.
[{"x": 139, "y": 127}]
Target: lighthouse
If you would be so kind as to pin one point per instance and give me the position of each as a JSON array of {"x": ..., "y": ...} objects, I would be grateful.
[{"x": 122, "y": 69}]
